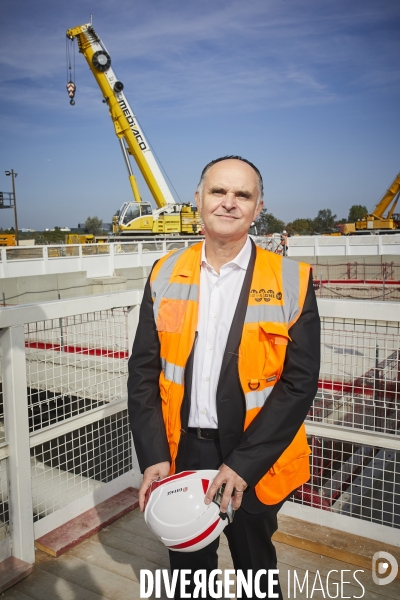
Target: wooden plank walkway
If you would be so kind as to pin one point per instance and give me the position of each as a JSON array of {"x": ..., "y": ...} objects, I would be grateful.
[{"x": 107, "y": 566}]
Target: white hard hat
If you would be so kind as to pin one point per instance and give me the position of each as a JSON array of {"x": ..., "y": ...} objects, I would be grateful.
[
  {"x": 284, "y": 231},
  {"x": 176, "y": 513}
]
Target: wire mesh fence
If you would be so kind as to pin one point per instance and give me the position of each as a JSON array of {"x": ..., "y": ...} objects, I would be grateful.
[
  {"x": 24, "y": 253},
  {"x": 62, "y": 251},
  {"x": 126, "y": 248},
  {"x": 93, "y": 249},
  {"x": 73, "y": 449},
  {"x": 358, "y": 280},
  {"x": 357, "y": 270},
  {"x": 71, "y": 466},
  {"x": 368, "y": 291},
  {"x": 4, "y": 499},
  {"x": 2, "y": 431},
  {"x": 355, "y": 480},
  {"x": 79, "y": 435},
  {"x": 359, "y": 388},
  {"x": 75, "y": 364},
  {"x": 152, "y": 246},
  {"x": 359, "y": 383}
]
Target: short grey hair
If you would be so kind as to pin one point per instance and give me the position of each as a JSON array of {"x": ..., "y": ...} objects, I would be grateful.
[{"x": 217, "y": 160}]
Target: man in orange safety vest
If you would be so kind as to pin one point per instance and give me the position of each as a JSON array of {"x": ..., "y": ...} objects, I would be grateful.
[{"x": 224, "y": 369}]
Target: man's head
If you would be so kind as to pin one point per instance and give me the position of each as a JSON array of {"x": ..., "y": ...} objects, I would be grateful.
[{"x": 229, "y": 197}]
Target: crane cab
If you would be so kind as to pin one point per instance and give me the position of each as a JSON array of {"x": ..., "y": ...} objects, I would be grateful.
[
  {"x": 139, "y": 218},
  {"x": 134, "y": 217}
]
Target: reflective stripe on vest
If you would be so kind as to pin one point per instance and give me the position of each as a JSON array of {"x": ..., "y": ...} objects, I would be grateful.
[
  {"x": 257, "y": 399},
  {"x": 276, "y": 299},
  {"x": 172, "y": 372},
  {"x": 162, "y": 282}
]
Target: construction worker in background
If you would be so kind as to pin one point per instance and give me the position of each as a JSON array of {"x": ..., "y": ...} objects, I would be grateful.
[
  {"x": 284, "y": 242},
  {"x": 224, "y": 368}
]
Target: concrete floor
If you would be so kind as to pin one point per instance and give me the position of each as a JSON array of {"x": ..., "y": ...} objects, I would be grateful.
[{"x": 107, "y": 566}]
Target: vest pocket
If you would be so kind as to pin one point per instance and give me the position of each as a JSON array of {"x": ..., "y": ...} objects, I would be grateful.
[
  {"x": 274, "y": 337},
  {"x": 171, "y": 314},
  {"x": 275, "y": 333},
  {"x": 291, "y": 470},
  {"x": 274, "y": 487},
  {"x": 298, "y": 448}
]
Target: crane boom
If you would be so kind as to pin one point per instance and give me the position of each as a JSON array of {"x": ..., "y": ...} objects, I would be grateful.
[
  {"x": 376, "y": 220},
  {"x": 125, "y": 122},
  {"x": 387, "y": 198}
]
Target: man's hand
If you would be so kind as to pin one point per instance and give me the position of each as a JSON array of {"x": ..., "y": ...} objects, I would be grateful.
[
  {"x": 158, "y": 471},
  {"x": 232, "y": 481}
]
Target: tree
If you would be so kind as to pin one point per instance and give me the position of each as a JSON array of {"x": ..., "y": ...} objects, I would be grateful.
[
  {"x": 267, "y": 223},
  {"x": 324, "y": 220},
  {"x": 301, "y": 227},
  {"x": 356, "y": 212},
  {"x": 93, "y": 225}
]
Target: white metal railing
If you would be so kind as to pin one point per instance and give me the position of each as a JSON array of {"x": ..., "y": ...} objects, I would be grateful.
[
  {"x": 98, "y": 260},
  {"x": 65, "y": 445},
  {"x": 357, "y": 245},
  {"x": 64, "y": 438},
  {"x": 354, "y": 423},
  {"x": 101, "y": 260}
]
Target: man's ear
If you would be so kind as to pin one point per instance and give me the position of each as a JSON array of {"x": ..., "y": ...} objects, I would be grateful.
[
  {"x": 197, "y": 199},
  {"x": 258, "y": 210}
]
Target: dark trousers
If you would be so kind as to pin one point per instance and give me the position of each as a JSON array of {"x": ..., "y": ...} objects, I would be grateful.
[{"x": 249, "y": 535}]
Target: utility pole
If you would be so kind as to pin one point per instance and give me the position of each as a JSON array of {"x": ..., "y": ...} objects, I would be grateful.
[{"x": 13, "y": 176}]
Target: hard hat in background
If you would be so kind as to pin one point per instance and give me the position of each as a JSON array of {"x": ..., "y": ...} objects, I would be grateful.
[{"x": 177, "y": 515}]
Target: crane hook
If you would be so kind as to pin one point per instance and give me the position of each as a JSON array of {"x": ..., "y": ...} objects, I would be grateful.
[{"x": 71, "y": 89}]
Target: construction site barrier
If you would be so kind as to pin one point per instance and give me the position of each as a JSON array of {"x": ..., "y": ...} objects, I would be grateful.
[{"x": 65, "y": 444}]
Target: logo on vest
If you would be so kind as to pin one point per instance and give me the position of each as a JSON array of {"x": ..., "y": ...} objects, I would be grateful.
[{"x": 265, "y": 295}]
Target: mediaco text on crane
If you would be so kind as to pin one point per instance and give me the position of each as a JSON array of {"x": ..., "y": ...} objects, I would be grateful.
[{"x": 132, "y": 124}]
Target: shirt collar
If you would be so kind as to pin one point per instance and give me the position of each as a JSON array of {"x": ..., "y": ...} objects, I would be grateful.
[{"x": 241, "y": 260}]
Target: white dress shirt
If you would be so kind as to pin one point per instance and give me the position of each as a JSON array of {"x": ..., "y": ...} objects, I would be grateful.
[{"x": 219, "y": 295}]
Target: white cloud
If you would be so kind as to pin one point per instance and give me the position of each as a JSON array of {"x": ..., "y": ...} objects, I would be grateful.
[{"x": 201, "y": 57}]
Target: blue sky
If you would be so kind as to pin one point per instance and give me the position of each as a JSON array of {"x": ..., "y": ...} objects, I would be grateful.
[{"x": 309, "y": 90}]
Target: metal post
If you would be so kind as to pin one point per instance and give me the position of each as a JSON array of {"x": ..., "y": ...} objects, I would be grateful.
[
  {"x": 60, "y": 322},
  {"x": 133, "y": 319},
  {"x": 13, "y": 176},
  {"x": 380, "y": 249},
  {"x": 45, "y": 256},
  {"x": 16, "y": 421},
  {"x": 111, "y": 249}
]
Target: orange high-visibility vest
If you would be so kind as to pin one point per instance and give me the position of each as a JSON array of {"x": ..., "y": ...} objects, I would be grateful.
[{"x": 277, "y": 292}]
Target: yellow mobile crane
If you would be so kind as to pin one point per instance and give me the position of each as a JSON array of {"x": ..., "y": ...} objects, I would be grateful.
[
  {"x": 136, "y": 217},
  {"x": 376, "y": 220}
]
